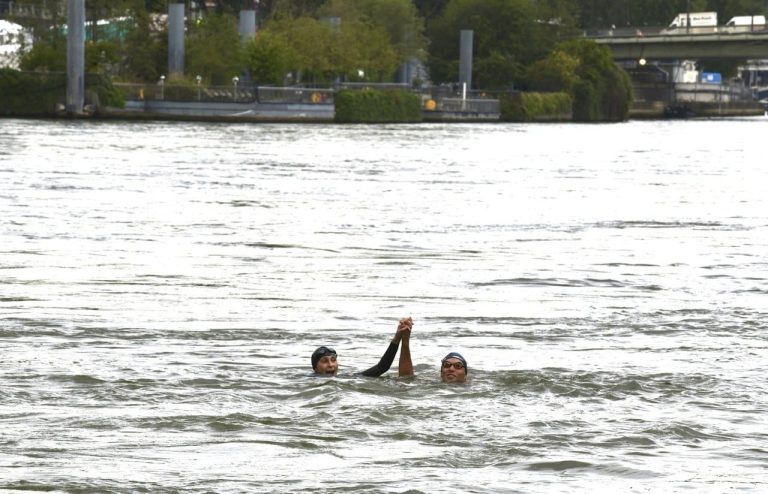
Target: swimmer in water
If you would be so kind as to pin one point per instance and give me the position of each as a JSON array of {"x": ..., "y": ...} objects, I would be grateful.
[
  {"x": 325, "y": 359},
  {"x": 453, "y": 367}
]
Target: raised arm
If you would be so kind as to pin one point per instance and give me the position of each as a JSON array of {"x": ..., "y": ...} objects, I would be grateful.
[
  {"x": 389, "y": 356},
  {"x": 405, "y": 367}
]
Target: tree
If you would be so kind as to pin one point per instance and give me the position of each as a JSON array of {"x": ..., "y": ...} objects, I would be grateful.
[
  {"x": 270, "y": 57},
  {"x": 321, "y": 51},
  {"x": 47, "y": 55},
  {"x": 214, "y": 50},
  {"x": 293, "y": 8},
  {"x": 398, "y": 18},
  {"x": 601, "y": 90},
  {"x": 508, "y": 35},
  {"x": 555, "y": 73},
  {"x": 364, "y": 52},
  {"x": 430, "y": 9},
  {"x": 144, "y": 51}
]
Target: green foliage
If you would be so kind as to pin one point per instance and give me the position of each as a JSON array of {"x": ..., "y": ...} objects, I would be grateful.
[
  {"x": 557, "y": 72},
  {"x": 321, "y": 52},
  {"x": 364, "y": 52},
  {"x": 508, "y": 36},
  {"x": 529, "y": 107},
  {"x": 108, "y": 95},
  {"x": 270, "y": 57},
  {"x": 179, "y": 88},
  {"x": 141, "y": 55},
  {"x": 144, "y": 52},
  {"x": 28, "y": 94},
  {"x": 313, "y": 42},
  {"x": 100, "y": 56},
  {"x": 602, "y": 91},
  {"x": 373, "y": 106},
  {"x": 294, "y": 8},
  {"x": 213, "y": 49},
  {"x": 38, "y": 94},
  {"x": 46, "y": 55},
  {"x": 398, "y": 18}
]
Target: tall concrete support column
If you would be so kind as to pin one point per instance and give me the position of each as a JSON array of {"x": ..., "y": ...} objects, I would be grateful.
[
  {"x": 247, "y": 26},
  {"x": 75, "y": 56},
  {"x": 465, "y": 57},
  {"x": 404, "y": 73},
  {"x": 175, "y": 39}
]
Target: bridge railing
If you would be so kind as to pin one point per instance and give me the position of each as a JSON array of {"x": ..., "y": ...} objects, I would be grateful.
[
  {"x": 643, "y": 31},
  {"x": 702, "y": 92}
]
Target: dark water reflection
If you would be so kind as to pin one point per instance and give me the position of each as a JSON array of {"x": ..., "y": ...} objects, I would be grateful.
[{"x": 163, "y": 285}]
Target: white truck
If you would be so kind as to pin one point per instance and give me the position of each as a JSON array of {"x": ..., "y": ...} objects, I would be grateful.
[
  {"x": 698, "y": 20},
  {"x": 747, "y": 21}
]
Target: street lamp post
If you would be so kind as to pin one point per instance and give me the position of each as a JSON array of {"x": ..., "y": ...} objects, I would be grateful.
[
  {"x": 235, "y": 80},
  {"x": 199, "y": 79},
  {"x": 161, "y": 83}
]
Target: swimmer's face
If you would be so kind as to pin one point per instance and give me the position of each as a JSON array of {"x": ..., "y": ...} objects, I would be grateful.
[
  {"x": 453, "y": 371},
  {"x": 327, "y": 365}
]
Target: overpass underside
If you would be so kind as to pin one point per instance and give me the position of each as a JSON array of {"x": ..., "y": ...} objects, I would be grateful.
[{"x": 744, "y": 46}]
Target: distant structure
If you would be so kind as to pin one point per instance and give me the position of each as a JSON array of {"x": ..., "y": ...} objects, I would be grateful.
[
  {"x": 175, "y": 38},
  {"x": 75, "y": 56},
  {"x": 465, "y": 58},
  {"x": 247, "y": 25}
]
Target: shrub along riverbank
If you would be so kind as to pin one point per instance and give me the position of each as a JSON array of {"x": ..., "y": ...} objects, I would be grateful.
[
  {"x": 31, "y": 94},
  {"x": 375, "y": 106},
  {"x": 536, "y": 107}
]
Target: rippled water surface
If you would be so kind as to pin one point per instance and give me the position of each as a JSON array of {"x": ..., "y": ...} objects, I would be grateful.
[{"x": 163, "y": 285}]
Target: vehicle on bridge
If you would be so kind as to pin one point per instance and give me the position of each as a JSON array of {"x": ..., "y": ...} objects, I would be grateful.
[
  {"x": 696, "y": 20},
  {"x": 745, "y": 23}
]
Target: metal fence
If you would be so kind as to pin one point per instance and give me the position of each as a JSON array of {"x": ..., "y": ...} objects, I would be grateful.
[
  {"x": 443, "y": 100},
  {"x": 459, "y": 105}
]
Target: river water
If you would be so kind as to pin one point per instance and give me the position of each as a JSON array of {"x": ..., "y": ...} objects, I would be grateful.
[{"x": 162, "y": 286}]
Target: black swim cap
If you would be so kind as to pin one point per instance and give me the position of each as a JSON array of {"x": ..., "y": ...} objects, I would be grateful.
[
  {"x": 320, "y": 353},
  {"x": 458, "y": 356}
]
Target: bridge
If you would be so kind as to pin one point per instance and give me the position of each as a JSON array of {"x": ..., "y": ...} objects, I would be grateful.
[{"x": 711, "y": 43}]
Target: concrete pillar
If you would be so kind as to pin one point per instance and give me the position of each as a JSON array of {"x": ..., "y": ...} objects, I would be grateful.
[
  {"x": 404, "y": 73},
  {"x": 247, "y": 26},
  {"x": 75, "y": 56},
  {"x": 175, "y": 39},
  {"x": 465, "y": 58}
]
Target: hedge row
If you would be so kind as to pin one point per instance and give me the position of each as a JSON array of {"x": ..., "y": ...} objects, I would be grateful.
[
  {"x": 375, "y": 106},
  {"x": 38, "y": 94},
  {"x": 529, "y": 107}
]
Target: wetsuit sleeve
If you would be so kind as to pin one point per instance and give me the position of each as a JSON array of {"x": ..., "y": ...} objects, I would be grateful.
[{"x": 384, "y": 364}]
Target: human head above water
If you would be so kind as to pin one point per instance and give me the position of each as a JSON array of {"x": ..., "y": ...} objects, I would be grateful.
[
  {"x": 324, "y": 361},
  {"x": 453, "y": 368}
]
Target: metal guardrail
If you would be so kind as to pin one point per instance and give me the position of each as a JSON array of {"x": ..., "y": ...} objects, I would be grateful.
[
  {"x": 443, "y": 98},
  {"x": 226, "y": 94},
  {"x": 458, "y": 105}
]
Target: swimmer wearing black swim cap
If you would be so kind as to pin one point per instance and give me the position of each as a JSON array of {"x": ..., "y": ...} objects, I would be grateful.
[{"x": 325, "y": 359}]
